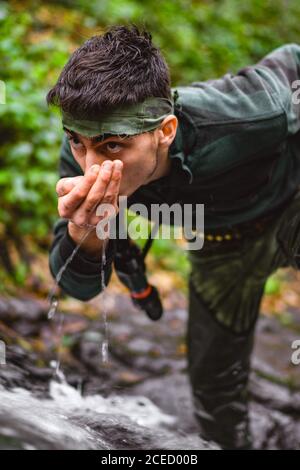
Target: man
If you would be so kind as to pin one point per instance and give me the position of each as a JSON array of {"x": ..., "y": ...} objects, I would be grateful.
[{"x": 232, "y": 144}]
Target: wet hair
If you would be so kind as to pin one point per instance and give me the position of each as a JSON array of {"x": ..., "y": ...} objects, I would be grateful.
[{"x": 120, "y": 67}]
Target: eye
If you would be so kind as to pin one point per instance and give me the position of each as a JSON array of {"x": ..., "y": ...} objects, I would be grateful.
[
  {"x": 75, "y": 142},
  {"x": 113, "y": 147}
]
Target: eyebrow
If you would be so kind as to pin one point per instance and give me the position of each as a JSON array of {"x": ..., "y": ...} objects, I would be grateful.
[{"x": 98, "y": 138}]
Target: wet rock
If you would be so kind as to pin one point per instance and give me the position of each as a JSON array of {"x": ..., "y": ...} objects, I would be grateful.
[
  {"x": 172, "y": 394},
  {"x": 122, "y": 331},
  {"x": 130, "y": 378},
  {"x": 142, "y": 346},
  {"x": 14, "y": 309},
  {"x": 275, "y": 396},
  {"x": 272, "y": 353},
  {"x": 272, "y": 430}
]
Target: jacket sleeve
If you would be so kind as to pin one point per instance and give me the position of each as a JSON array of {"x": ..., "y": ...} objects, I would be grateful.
[
  {"x": 280, "y": 70},
  {"x": 82, "y": 276}
]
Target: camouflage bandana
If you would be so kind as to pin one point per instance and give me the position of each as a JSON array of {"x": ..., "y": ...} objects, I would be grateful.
[{"x": 127, "y": 120}]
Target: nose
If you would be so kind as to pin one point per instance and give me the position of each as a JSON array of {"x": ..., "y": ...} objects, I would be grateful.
[{"x": 93, "y": 158}]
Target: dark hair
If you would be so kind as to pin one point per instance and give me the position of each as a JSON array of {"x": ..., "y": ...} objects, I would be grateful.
[{"x": 119, "y": 67}]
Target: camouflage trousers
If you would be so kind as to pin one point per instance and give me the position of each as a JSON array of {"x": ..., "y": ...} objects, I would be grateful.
[{"x": 226, "y": 285}]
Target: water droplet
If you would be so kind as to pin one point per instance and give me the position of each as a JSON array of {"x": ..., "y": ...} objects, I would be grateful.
[
  {"x": 53, "y": 308},
  {"x": 104, "y": 351}
]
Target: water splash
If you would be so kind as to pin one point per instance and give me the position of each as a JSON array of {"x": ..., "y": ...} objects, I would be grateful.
[{"x": 69, "y": 421}]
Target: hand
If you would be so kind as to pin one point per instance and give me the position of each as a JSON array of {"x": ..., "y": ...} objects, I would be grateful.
[{"x": 80, "y": 196}]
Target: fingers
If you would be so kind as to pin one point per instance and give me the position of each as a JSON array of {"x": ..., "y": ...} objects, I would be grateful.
[
  {"x": 68, "y": 203},
  {"x": 109, "y": 178},
  {"x": 111, "y": 195},
  {"x": 113, "y": 186},
  {"x": 65, "y": 185},
  {"x": 99, "y": 188}
]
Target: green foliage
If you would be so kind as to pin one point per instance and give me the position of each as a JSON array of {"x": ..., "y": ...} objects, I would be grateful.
[
  {"x": 29, "y": 134},
  {"x": 204, "y": 39}
]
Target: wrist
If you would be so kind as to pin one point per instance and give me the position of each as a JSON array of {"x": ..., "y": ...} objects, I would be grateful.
[{"x": 91, "y": 243}]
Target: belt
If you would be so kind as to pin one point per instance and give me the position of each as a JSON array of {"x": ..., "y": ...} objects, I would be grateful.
[{"x": 238, "y": 231}]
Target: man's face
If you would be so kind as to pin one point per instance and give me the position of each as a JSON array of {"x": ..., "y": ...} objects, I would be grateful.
[{"x": 138, "y": 153}]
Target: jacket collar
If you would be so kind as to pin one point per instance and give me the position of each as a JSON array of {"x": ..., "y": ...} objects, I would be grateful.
[
  {"x": 179, "y": 152},
  {"x": 180, "y": 149}
]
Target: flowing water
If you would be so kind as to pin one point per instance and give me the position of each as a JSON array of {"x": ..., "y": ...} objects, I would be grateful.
[
  {"x": 52, "y": 297},
  {"x": 67, "y": 420}
]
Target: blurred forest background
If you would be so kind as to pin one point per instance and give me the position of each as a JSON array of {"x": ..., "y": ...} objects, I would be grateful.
[{"x": 200, "y": 40}]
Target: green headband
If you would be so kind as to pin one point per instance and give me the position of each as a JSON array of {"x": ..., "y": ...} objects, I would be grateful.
[{"x": 129, "y": 120}]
